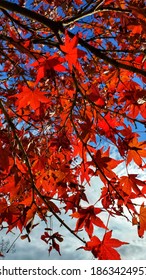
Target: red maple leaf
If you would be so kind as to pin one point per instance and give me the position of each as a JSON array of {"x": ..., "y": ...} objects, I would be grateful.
[
  {"x": 51, "y": 239},
  {"x": 104, "y": 250},
  {"x": 107, "y": 251},
  {"x": 95, "y": 97},
  {"x": 107, "y": 124},
  {"x": 130, "y": 183},
  {"x": 87, "y": 217},
  {"x": 30, "y": 97},
  {"x": 71, "y": 52},
  {"x": 45, "y": 65},
  {"x": 137, "y": 150}
]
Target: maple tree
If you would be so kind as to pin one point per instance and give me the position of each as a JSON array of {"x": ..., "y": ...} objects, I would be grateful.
[{"x": 72, "y": 102}]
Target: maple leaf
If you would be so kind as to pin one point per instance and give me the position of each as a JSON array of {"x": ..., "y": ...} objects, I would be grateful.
[
  {"x": 105, "y": 164},
  {"x": 107, "y": 251},
  {"x": 28, "y": 200},
  {"x": 129, "y": 183},
  {"x": 30, "y": 214},
  {"x": 93, "y": 245},
  {"x": 104, "y": 250},
  {"x": 45, "y": 65},
  {"x": 86, "y": 218},
  {"x": 108, "y": 124},
  {"x": 71, "y": 51},
  {"x": 94, "y": 96},
  {"x": 137, "y": 150},
  {"x": 30, "y": 97},
  {"x": 142, "y": 220},
  {"x": 47, "y": 238},
  {"x": 10, "y": 187}
]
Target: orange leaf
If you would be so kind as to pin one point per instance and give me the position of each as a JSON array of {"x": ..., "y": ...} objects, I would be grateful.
[
  {"x": 87, "y": 218},
  {"x": 71, "y": 51},
  {"x": 142, "y": 220},
  {"x": 137, "y": 151},
  {"x": 104, "y": 250},
  {"x": 107, "y": 251},
  {"x": 30, "y": 97},
  {"x": 129, "y": 184}
]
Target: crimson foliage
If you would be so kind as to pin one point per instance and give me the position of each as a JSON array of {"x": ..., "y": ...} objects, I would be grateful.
[{"x": 72, "y": 103}]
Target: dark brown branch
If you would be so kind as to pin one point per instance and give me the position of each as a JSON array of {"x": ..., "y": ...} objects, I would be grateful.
[
  {"x": 98, "y": 53},
  {"x": 53, "y": 25}
]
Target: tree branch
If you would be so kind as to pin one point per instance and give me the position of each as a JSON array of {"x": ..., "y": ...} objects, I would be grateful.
[
  {"x": 98, "y": 53},
  {"x": 67, "y": 22},
  {"x": 53, "y": 25}
]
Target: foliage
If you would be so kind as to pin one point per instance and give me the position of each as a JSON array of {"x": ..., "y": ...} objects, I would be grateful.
[{"x": 72, "y": 106}]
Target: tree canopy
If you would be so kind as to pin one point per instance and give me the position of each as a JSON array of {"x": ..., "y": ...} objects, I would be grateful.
[{"x": 73, "y": 108}]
